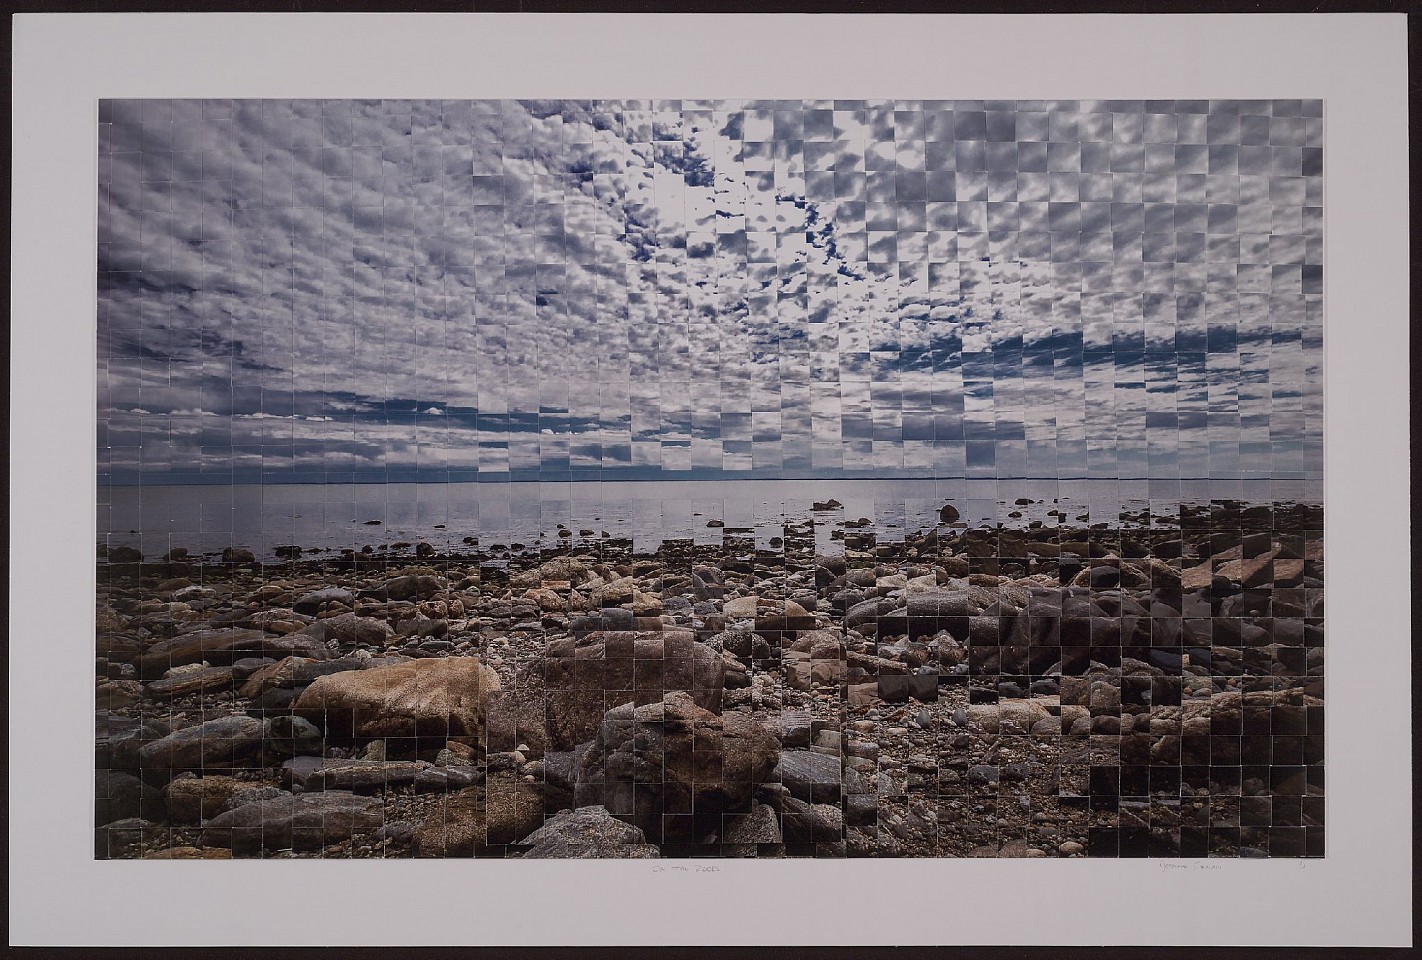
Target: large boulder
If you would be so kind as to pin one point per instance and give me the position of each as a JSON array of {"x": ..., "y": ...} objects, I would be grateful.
[
  {"x": 673, "y": 768},
  {"x": 1056, "y": 625},
  {"x": 225, "y": 646},
  {"x": 229, "y": 742},
  {"x": 308, "y": 821},
  {"x": 444, "y": 697},
  {"x": 588, "y": 833},
  {"x": 558, "y": 702},
  {"x": 118, "y": 796}
]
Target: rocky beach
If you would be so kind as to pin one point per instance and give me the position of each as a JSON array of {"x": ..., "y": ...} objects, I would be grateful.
[{"x": 1146, "y": 688}]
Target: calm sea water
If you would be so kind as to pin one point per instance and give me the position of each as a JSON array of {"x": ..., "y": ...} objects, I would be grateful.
[{"x": 260, "y": 517}]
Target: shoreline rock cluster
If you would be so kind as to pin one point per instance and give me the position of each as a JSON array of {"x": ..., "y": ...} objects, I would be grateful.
[{"x": 1055, "y": 691}]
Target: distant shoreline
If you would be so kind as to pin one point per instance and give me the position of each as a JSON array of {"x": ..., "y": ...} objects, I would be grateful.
[{"x": 189, "y": 482}]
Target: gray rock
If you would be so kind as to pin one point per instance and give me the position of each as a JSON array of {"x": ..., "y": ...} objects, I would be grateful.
[
  {"x": 121, "y": 796},
  {"x": 793, "y": 729},
  {"x": 983, "y": 773},
  {"x": 812, "y": 822},
  {"x": 311, "y": 603},
  {"x": 229, "y": 741},
  {"x": 351, "y": 629},
  {"x": 923, "y": 687},
  {"x": 375, "y": 776},
  {"x": 810, "y": 777},
  {"x": 305, "y": 822},
  {"x": 588, "y": 833},
  {"x": 760, "y": 826}
]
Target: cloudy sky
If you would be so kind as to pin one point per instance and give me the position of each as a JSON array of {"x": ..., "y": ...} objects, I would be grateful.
[{"x": 451, "y": 290}]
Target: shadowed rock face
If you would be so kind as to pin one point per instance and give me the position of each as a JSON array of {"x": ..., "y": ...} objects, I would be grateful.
[
  {"x": 434, "y": 698},
  {"x": 558, "y": 702},
  {"x": 673, "y": 768}
]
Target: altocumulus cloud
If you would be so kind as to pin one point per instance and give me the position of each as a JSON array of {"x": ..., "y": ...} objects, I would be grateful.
[{"x": 328, "y": 290}]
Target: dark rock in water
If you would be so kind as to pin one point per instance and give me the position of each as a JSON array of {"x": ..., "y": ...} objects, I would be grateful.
[
  {"x": 305, "y": 822},
  {"x": 922, "y": 687},
  {"x": 948, "y": 514},
  {"x": 373, "y": 523},
  {"x": 124, "y": 555},
  {"x": 119, "y": 796},
  {"x": 674, "y": 768},
  {"x": 810, "y": 777},
  {"x": 588, "y": 833},
  {"x": 238, "y": 555},
  {"x": 830, "y": 504},
  {"x": 311, "y": 603},
  {"x": 288, "y": 552}
]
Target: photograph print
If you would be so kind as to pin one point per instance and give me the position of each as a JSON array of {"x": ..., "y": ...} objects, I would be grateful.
[{"x": 709, "y": 478}]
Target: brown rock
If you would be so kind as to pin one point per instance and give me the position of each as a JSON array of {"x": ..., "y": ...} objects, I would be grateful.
[
  {"x": 673, "y": 768},
  {"x": 190, "y": 853},
  {"x": 454, "y": 829},
  {"x": 191, "y": 800},
  {"x": 224, "y": 646},
  {"x": 190, "y": 683},
  {"x": 436, "y": 697},
  {"x": 513, "y": 808},
  {"x": 559, "y": 701}
]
